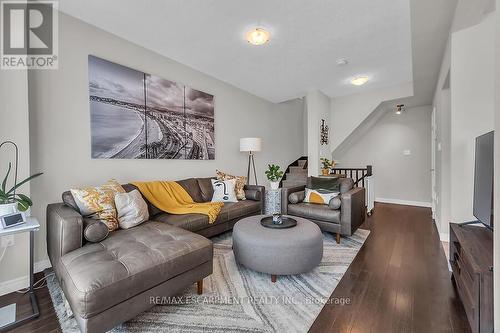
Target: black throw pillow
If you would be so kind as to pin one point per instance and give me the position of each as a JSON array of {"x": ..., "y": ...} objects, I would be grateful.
[{"x": 325, "y": 183}]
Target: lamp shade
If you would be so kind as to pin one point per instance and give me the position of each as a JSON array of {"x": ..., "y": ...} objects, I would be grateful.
[{"x": 250, "y": 144}]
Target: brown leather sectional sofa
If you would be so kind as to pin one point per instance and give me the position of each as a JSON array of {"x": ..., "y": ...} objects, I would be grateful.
[{"x": 109, "y": 282}]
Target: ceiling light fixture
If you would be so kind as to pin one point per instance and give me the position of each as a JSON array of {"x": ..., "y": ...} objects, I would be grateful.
[
  {"x": 400, "y": 108},
  {"x": 359, "y": 81},
  {"x": 258, "y": 36}
]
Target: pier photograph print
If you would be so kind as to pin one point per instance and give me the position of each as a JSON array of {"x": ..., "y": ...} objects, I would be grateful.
[{"x": 135, "y": 115}]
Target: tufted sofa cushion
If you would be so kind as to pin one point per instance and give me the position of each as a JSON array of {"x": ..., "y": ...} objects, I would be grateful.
[{"x": 98, "y": 276}]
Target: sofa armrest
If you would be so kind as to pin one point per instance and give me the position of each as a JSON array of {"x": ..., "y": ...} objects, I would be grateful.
[
  {"x": 64, "y": 231},
  {"x": 335, "y": 203},
  {"x": 256, "y": 193},
  {"x": 296, "y": 197},
  {"x": 352, "y": 210},
  {"x": 285, "y": 192}
]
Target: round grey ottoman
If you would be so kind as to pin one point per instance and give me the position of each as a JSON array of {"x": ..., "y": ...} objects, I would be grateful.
[{"x": 277, "y": 251}]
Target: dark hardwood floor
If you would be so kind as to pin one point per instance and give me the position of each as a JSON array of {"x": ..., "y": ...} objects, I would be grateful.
[
  {"x": 47, "y": 321},
  {"x": 399, "y": 282}
]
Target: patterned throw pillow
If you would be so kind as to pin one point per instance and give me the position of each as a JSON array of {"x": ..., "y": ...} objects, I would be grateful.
[
  {"x": 224, "y": 190},
  {"x": 240, "y": 183},
  {"x": 321, "y": 197},
  {"x": 99, "y": 202}
]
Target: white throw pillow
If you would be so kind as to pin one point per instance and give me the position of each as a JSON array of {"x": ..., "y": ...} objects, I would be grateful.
[
  {"x": 132, "y": 209},
  {"x": 322, "y": 197},
  {"x": 224, "y": 190}
]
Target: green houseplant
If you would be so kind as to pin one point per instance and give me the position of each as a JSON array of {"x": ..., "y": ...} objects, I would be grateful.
[
  {"x": 326, "y": 165},
  {"x": 274, "y": 175},
  {"x": 10, "y": 199}
]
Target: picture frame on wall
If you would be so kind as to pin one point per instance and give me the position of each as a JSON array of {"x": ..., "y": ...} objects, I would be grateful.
[
  {"x": 135, "y": 115},
  {"x": 324, "y": 132}
]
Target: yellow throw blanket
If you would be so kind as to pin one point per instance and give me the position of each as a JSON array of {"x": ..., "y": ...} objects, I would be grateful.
[{"x": 172, "y": 198}]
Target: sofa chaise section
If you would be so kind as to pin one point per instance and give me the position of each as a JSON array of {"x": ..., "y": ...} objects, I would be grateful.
[{"x": 112, "y": 281}]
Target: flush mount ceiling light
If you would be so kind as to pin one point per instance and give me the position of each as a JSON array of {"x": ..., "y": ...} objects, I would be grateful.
[
  {"x": 359, "y": 80},
  {"x": 258, "y": 36},
  {"x": 400, "y": 108}
]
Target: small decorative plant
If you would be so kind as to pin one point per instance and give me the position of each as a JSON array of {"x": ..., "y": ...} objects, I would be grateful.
[
  {"x": 326, "y": 165},
  {"x": 11, "y": 197},
  {"x": 274, "y": 175}
]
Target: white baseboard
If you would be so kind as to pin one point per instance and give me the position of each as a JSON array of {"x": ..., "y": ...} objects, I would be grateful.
[
  {"x": 15, "y": 284},
  {"x": 22, "y": 282},
  {"x": 444, "y": 237},
  {"x": 405, "y": 202}
]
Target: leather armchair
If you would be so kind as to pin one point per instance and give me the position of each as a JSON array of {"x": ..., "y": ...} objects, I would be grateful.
[{"x": 342, "y": 221}]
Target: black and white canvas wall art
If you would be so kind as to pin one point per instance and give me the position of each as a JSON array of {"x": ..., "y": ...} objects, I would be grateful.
[{"x": 136, "y": 115}]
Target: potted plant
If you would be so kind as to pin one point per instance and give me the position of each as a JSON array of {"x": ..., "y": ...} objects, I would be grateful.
[
  {"x": 326, "y": 165},
  {"x": 274, "y": 175},
  {"x": 10, "y": 200}
]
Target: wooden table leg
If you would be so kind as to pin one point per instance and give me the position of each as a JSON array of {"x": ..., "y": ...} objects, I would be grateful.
[
  {"x": 273, "y": 278},
  {"x": 199, "y": 284}
]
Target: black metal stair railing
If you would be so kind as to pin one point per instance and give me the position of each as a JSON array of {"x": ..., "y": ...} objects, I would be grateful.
[{"x": 357, "y": 174}]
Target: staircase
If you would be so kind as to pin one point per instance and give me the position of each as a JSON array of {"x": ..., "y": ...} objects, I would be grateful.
[{"x": 296, "y": 173}]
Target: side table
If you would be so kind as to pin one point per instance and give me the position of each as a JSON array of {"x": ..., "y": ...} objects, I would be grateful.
[
  {"x": 30, "y": 226},
  {"x": 272, "y": 201}
]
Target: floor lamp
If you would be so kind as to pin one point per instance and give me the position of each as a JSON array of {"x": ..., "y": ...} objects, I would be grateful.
[{"x": 251, "y": 145}]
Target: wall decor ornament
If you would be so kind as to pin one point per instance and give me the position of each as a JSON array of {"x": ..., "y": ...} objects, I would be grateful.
[
  {"x": 324, "y": 131},
  {"x": 135, "y": 115}
]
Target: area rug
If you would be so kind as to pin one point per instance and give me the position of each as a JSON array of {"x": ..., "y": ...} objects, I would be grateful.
[{"x": 237, "y": 299}]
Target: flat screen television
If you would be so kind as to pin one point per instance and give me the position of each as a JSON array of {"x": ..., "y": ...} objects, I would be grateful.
[{"x": 483, "y": 179}]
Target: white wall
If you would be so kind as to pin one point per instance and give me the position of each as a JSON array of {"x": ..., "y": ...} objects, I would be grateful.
[
  {"x": 472, "y": 108},
  {"x": 305, "y": 134},
  {"x": 399, "y": 178},
  {"x": 442, "y": 104},
  {"x": 443, "y": 161},
  {"x": 318, "y": 107},
  {"x": 287, "y": 117},
  {"x": 14, "y": 126},
  {"x": 60, "y": 121},
  {"x": 348, "y": 112}
]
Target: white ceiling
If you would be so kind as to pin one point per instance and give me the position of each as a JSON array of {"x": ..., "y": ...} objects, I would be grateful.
[{"x": 307, "y": 39}]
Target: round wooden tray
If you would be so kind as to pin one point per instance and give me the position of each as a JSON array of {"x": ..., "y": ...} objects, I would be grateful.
[{"x": 286, "y": 222}]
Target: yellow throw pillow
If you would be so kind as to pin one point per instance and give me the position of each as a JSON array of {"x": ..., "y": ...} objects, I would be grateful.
[
  {"x": 321, "y": 197},
  {"x": 240, "y": 183},
  {"x": 99, "y": 202}
]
